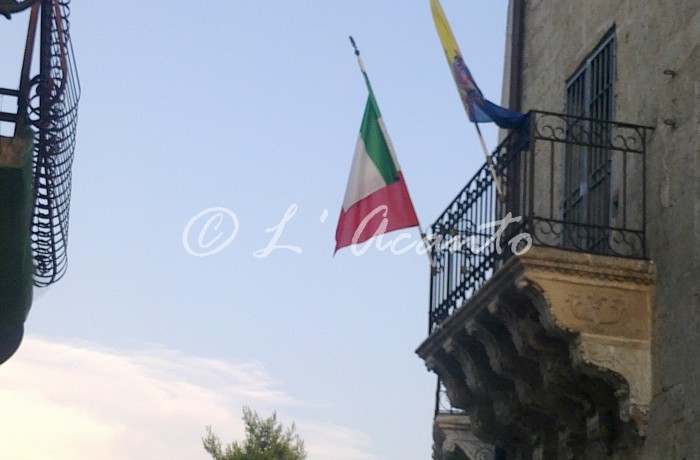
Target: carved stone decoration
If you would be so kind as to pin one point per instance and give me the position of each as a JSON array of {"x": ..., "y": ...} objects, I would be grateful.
[
  {"x": 629, "y": 358},
  {"x": 607, "y": 303},
  {"x": 554, "y": 354},
  {"x": 453, "y": 431},
  {"x": 596, "y": 308},
  {"x": 452, "y": 377}
]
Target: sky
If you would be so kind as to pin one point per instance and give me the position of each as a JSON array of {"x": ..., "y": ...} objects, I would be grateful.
[{"x": 253, "y": 109}]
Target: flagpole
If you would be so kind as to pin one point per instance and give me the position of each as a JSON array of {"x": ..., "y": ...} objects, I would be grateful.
[
  {"x": 424, "y": 238},
  {"x": 492, "y": 168},
  {"x": 357, "y": 53}
]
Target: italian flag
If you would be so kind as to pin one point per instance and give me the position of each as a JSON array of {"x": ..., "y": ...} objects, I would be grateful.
[{"x": 376, "y": 199}]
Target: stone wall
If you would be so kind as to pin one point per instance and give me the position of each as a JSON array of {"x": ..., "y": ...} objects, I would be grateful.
[{"x": 658, "y": 84}]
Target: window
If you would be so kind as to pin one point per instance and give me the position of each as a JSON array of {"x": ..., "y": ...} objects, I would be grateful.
[{"x": 586, "y": 200}]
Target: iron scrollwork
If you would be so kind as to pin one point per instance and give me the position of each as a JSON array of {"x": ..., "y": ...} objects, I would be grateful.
[
  {"x": 53, "y": 112},
  {"x": 529, "y": 161}
]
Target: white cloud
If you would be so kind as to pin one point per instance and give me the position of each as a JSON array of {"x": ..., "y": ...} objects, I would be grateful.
[{"x": 79, "y": 401}]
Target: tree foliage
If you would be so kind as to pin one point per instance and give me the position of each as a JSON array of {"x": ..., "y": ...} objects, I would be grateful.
[{"x": 266, "y": 439}]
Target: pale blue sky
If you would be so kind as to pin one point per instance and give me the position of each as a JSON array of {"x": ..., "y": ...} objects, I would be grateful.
[{"x": 253, "y": 106}]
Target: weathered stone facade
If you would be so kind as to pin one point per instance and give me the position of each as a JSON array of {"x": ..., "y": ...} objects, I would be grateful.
[
  {"x": 565, "y": 355},
  {"x": 657, "y": 84}
]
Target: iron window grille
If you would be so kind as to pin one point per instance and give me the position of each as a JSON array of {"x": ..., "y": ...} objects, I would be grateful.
[{"x": 587, "y": 168}]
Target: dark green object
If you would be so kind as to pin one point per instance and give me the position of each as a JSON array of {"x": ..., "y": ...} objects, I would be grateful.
[
  {"x": 265, "y": 439},
  {"x": 16, "y": 263}
]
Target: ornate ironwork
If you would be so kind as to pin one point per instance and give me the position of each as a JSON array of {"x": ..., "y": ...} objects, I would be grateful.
[
  {"x": 477, "y": 231},
  {"x": 48, "y": 104},
  {"x": 589, "y": 132},
  {"x": 53, "y": 111}
]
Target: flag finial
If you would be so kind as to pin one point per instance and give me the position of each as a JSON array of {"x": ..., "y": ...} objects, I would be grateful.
[
  {"x": 359, "y": 59},
  {"x": 357, "y": 52}
]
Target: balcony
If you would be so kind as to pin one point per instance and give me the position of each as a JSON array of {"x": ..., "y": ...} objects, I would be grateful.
[{"x": 540, "y": 298}]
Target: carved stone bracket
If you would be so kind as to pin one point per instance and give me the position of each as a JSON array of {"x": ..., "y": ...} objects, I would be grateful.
[
  {"x": 607, "y": 303},
  {"x": 452, "y": 432},
  {"x": 629, "y": 358},
  {"x": 555, "y": 341}
]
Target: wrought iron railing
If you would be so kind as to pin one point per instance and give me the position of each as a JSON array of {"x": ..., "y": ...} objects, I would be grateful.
[
  {"x": 53, "y": 111},
  {"x": 570, "y": 182},
  {"x": 48, "y": 103}
]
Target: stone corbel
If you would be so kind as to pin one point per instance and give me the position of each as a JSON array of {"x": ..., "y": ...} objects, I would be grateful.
[
  {"x": 455, "y": 432},
  {"x": 604, "y": 305}
]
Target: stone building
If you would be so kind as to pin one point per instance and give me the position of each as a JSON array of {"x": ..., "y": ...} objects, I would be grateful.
[{"x": 585, "y": 345}]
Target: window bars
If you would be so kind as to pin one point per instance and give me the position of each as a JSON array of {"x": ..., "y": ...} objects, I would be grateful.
[{"x": 587, "y": 169}]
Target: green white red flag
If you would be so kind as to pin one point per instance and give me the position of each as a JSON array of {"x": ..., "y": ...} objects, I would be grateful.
[{"x": 376, "y": 199}]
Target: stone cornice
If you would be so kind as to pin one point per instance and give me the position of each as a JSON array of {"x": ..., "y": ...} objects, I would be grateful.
[
  {"x": 589, "y": 266},
  {"x": 583, "y": 267}
]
